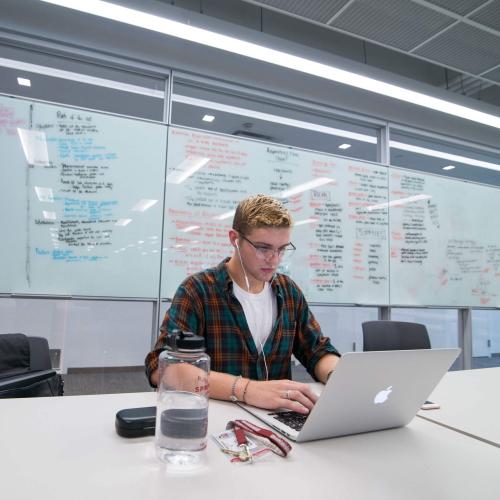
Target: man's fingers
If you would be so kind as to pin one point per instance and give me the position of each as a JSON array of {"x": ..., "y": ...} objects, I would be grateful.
[
  {"x": 306, "y": 391},
  {"x": 289, "y": 404},
  {"x": 299, "y": 397}
]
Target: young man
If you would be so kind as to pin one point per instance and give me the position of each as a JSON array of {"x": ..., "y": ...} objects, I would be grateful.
[{"x": 253, "y": 318}]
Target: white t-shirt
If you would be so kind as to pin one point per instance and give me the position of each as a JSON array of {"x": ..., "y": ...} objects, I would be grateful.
[{"x": 260, "y": 311}]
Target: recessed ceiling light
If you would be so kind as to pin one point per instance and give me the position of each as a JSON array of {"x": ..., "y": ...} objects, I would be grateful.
[
  {"x": 25, "y": 82},
  {"x": 208, "y": 118},
  {"x": 344, "y": 146},
  {"x": 449, "y": 167}
]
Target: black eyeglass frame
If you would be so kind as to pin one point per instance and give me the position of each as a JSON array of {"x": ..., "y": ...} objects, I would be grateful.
[{"x": 268, "y": 253}]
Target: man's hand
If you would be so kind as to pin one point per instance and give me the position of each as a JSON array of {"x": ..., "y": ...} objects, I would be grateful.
[{"x": 275, "y": 394}]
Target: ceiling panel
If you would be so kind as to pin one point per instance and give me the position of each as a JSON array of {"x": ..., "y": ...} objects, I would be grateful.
[
  {"x": 315, "y": 10},
  {"x": 489, "y": 16},
  {"x": 464, "y": 47},
  {"x": 426, "y": 29},
  {"x": 402, "y": 24},
  {"x": 493, "y": 75},
  {"x": 461, "y": 7}
]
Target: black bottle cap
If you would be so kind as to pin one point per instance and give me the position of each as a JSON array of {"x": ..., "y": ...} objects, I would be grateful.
[{"x": 178, "y": 340}]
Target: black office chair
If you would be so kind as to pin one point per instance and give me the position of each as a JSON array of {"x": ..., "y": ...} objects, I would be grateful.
[
  {"x": 394, "y": 335},
  {"x": 25, "y": 368}
]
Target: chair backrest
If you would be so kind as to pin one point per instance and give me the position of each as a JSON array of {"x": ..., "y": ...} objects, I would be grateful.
[
  {"x": 39, "y": 353},
  {"x": 25, "y": 368},
  {"x": 394, "y": 335}
]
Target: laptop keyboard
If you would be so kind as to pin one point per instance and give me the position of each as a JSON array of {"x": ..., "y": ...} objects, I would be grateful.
[{"x": 290, "y": 418}]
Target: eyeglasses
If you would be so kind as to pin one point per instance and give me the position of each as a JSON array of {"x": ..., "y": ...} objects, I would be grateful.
[{"x": 267, "y": 253}]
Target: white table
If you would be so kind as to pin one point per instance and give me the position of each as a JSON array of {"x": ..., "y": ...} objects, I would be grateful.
[
  {"x": 470, "y": 403},
  {"x": 67, "y": 448}
]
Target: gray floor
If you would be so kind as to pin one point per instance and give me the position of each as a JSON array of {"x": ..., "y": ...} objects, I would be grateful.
[
  {"x": 133, "y": 379},
  {"x": 105, "y": 381},
  {"x": 486, "y": 362}
]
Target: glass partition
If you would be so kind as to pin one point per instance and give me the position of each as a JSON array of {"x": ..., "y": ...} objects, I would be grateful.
[
  {"x": 441, "y": 324},
  {"x": 104, "y": 222},
  {"x": 247, "y": 115},
  {"x": 341, "y": 254},
  {"x": 71, "y": 82},
  {"x": 444, "y": 157},
  {"x": 485, "y": 338},
  {"x": 98, "y": 346}
]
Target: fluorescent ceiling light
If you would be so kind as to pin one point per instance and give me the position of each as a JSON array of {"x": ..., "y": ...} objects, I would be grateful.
[
  {"x": 44, "y": 194},
  {"x": 252, "y": 50},
  {"x": 186, "y": 168},
  {"x": 208, "y": 118},
  {"x": 306, "y": 186},
  {"x": 225, "y": 215},
  {"x": 24, "y": 82},
  {"x": 143, "y": 205},
  {"x": 344, "y": 146},
  {"x": 250, "y": 113},
  {"x": 306, "y": 221},
  {"x": 449, "y": 167},
  {"x": 34, "y": 146},
  {"x": 445, "y": 156},
  {"x": 398, "y": 203},
  {"x": 123, "y": 222},
  {"x": 79, "y": 77},
  {"x": 189, "y": 229}
]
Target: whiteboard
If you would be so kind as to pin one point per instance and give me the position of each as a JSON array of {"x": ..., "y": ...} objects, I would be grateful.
[
  {"x": 82, "y": 212},
  {"x": 445, "y": 247},
  {"x": 342, "y": 248},
  {"x": 14, "y": 113},
  {"x": 85, "y": 193}
]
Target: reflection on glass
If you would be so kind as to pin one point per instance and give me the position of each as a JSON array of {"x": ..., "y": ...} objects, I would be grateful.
[
  {"x": 44, "y": 194},
  {"x": 186, "y": 169},
  {"x": 306, "y": 221},
  {"x": 400, "y": 202},
  {"x": 189, "y": 229},
  {"x": 34, "y": 145},
  {"x": 48, "y": 215},
  {"x": 225, "y": 215},
  {"x": 306, "y": 186},
  {"x": 143, "y": 205},
  {"x": 123, "y": 222}
]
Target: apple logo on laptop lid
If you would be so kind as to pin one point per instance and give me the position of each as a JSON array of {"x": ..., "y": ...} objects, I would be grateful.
[{"x": 382, "y": 396}]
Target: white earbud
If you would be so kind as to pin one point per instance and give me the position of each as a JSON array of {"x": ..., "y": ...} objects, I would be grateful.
[
  {"x": 264, "y": 356},
  {"x": 242, "y": 266}
]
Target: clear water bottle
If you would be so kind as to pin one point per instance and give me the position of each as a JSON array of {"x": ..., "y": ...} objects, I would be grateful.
[{"x": 182, "y": 411}]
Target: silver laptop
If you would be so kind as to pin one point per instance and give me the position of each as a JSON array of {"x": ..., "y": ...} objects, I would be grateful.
[{"x": 369, "y": 391}]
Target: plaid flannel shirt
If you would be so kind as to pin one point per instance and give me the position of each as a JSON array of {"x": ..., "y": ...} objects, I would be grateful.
[{"x": 206, "y": 305}]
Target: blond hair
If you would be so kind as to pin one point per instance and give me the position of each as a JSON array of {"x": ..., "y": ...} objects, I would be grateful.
[{"x": 260, "y": 210}]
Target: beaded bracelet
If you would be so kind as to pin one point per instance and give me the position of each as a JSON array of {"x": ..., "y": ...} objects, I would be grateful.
[
  {"x": 233, "y": 397},
  {"x": 245, "y": 391}
]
